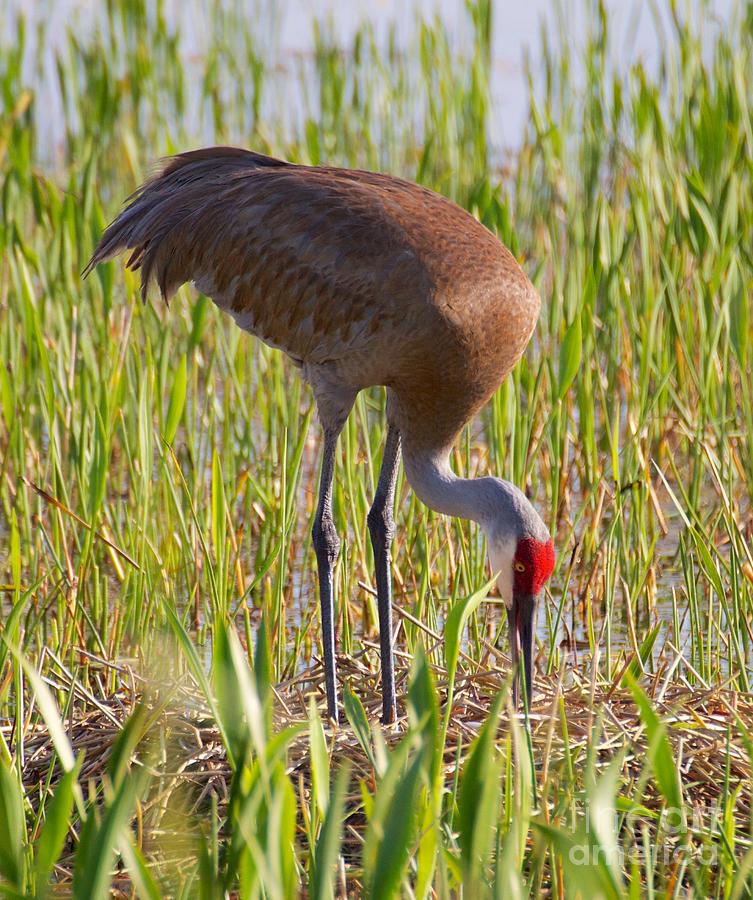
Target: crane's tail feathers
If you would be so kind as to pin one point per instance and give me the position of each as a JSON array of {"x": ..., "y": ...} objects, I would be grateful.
[{"x": 155, "y": 224}]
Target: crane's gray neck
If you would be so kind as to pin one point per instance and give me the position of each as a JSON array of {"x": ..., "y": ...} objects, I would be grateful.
[
  {"x": 436, "y": 485},
  {"x": 502, "y": 510},
  {"x": 498, "y": 506}
]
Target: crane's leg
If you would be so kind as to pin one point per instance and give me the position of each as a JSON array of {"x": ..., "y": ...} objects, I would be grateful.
[
  {"x": 382, "y": 530},
  {"x": 327, "y": 546}
]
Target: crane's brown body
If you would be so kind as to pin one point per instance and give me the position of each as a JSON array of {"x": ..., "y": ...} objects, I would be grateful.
[{"x": 363, "y": 279}]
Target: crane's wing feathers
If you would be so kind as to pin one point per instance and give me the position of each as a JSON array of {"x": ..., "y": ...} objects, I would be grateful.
[
  {"x": 150, "y": 215},
  {"x": 305, "y": 258}
]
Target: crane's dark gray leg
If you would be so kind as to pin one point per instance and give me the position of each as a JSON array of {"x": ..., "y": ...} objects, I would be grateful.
[
  {"x": 382, "y": 531},
  {"x": 327, "y": 546}
]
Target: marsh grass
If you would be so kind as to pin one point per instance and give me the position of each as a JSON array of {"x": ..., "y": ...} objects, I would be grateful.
[{"x": 158, "y": 472}]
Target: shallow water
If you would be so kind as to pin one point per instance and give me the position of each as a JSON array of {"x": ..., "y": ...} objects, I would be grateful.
[{"x": 286, "y": 41}]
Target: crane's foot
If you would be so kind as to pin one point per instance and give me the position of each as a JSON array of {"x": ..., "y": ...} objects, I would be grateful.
[
  {"x": 389, "y": 715},
  {"x": 333, "y": 713}
]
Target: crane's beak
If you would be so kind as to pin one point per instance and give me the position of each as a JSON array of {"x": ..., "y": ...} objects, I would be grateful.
[{"x": 521, "y": 618}]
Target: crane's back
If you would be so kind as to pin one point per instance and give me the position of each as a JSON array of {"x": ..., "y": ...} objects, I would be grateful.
[{"x": 373, "y": 278}]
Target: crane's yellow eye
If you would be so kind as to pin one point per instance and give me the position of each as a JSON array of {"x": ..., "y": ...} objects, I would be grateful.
[{"x": 519, "y": 567}]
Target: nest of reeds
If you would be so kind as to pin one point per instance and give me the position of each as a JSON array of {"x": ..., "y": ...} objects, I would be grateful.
[{"x": 572, "y": 715}]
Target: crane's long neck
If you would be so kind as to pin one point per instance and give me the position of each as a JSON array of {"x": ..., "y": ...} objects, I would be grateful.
[
  {"x": 498, "y": 506},
  {"x": 442, "y": 490}
]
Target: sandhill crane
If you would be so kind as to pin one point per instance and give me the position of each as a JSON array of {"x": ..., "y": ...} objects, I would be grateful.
[{"x": 362, "y": 279}]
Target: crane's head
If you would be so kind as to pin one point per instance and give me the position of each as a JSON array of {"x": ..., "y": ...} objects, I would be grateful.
[{"x": 521, "y": 554}]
